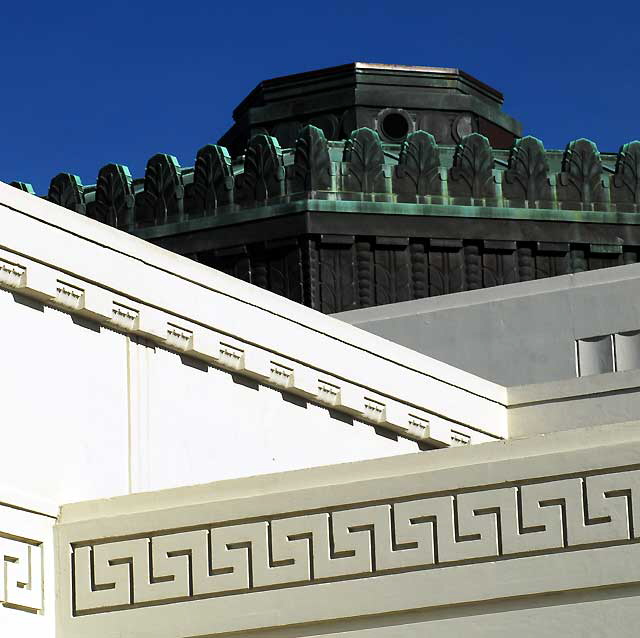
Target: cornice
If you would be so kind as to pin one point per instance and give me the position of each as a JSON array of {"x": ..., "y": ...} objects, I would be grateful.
[
  {"x": 363, "y": 175},
  {"x": 128, "y": 285}
]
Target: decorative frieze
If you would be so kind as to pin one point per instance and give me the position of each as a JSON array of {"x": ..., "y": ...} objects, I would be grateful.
[
  {"x": 417, "y": 532},
  {"x": 12, "y": 275},
  {"x": 524, "y": 194},
  {"x": 281, "y": 376},
  {"x": 222, "y": 350},
  {"x": 22, "y": 573},
  {"x": 213, "y": 182},
  {"x": 179, "y": 338},
  {"x": 162, "y": 200},
  {"x": 312, "y": 166},
  {"x": 527, "y": 176},
  {"x": 231, "y": 357},
  {"x": 114, "y": 200},
  {"x": 364, "y": 160},
  {"x": 124, "y": 317},
  {"x": 67, "y": 191},
  {"x": 69, "y": 296}
]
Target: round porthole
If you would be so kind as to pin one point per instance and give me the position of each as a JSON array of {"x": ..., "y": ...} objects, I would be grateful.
[{"x": 395, "y": 126}]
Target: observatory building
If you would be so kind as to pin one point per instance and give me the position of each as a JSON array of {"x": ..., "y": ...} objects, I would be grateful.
[{"x": 369, "y": 367}]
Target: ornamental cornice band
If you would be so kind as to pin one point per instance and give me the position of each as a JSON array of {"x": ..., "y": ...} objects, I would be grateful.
[
  {"x": 22, "y": 575},
  {"x": 363, "y": 166},
  {"x": 417, "y": 532},
  {"x": 226, "y": 352}
]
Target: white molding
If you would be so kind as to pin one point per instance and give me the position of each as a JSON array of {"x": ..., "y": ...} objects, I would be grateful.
[{"x": 130, "y": 285}]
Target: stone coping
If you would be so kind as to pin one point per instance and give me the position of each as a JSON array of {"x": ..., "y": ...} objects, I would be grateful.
[
  {"x": 609, "y": 383},
  {"x": 407, "y": 465}
]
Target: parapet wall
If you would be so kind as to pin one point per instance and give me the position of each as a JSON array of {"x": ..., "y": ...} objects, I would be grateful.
[
  {"x": 437, "y": 543},
  {"x": 360, "y": 169}
]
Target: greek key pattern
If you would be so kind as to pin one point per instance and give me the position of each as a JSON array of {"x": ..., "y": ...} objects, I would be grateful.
[
  {"x": 22, "y": 584},
  {"x": 413, "y": 533}
]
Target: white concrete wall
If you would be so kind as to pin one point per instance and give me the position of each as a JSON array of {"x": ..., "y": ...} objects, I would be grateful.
[
  {"x": 193, "y": 423},
  {"x": 516, "y": 334},
  {"x": 574, "y": 403},
  {"x": 64, "y": 404},
  {"x": 96, "y": 414},
  {"x": 128, "y": 368}
]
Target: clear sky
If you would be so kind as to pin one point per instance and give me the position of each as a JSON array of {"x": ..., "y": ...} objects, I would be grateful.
[{"x": 88, "y": 83}]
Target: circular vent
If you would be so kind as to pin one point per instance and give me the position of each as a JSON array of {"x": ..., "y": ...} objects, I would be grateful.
[{"x": 395, "y": 126}]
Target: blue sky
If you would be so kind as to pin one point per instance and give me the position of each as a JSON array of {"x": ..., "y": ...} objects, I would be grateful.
[{"x": 85, "y": 85}]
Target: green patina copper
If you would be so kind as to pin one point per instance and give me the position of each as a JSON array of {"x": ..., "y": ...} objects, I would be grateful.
[
  {"x": 367, "y": 184},
  {"x": 387, "y": 208},
  {"x": 415, "y": 178}
]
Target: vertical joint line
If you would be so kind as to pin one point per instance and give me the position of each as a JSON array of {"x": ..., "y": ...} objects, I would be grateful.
[{"x": 129, "y": 417}]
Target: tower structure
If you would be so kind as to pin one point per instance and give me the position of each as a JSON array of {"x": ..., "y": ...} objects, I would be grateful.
[
  {"x": 364, "y": 184},
  {"x": 392, "y": 100}
]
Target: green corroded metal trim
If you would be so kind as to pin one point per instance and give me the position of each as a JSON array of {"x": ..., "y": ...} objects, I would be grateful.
[
  {"x": 418, "y": 175},
  {"x": 386, "y": 208}
]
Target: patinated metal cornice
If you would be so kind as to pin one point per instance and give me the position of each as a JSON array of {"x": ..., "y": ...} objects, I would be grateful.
[{"x": 363, "y": 175}]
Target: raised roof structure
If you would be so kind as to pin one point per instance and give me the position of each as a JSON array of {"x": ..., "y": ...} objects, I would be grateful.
[
  {"x": 392, "y": 99},
  {"x": 313, "y": 196}
]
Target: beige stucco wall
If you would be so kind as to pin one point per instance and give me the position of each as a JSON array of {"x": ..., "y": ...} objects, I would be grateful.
[
  {"x": 27, "y": 582},
  {"x": 536, "y": 536}
]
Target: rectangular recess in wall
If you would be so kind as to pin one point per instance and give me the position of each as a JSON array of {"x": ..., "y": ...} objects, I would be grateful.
[
  {"x": 627, "y": 349},
  {"x": 595, "y": 355}
]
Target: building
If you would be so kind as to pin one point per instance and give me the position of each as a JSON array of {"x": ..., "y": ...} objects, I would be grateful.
[
  {"x": 187, "y": 454},
  {"x": 344, "y": 209}
]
